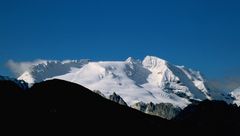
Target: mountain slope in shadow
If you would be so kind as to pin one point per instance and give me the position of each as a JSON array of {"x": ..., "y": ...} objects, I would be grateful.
[
  {"x": 68, "y": 107},
  {"x": 214, "y": 117},
  {"x": 60, "y": 107}
]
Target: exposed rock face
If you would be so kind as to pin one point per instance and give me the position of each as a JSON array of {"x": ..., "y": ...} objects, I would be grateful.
[
  {"x": 116, "y": 98},
  {"x": 164, "y": 110}
]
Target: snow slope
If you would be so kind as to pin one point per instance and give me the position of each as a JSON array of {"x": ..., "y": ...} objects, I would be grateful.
[
  {"x": 151, "y": 80},
  {"x": 236, "y": 95},
  {"x": 46, "y": 69}
]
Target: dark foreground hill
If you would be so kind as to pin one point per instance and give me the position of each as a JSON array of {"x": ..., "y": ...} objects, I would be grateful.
[
  {"x": 60, "y": 107},
  {"x": 211, "y": 117}
]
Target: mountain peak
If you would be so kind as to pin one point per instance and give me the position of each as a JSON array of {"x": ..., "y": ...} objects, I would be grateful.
[
  {"x": 132, "y": 60},
  {"x": 152, "y": 80},
  {"x": 153, "y": 62}
]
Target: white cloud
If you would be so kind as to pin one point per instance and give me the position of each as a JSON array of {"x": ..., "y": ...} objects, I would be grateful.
[{"x": 19, "y": 68}]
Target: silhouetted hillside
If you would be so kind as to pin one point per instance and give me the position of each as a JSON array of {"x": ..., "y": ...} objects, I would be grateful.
[
  {"x": 68, "y": 107},
  {"x": 60, "y": 107},
  {"x": 214, "y": 117}
]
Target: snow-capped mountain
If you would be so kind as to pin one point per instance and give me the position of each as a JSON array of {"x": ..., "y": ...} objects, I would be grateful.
[
  {"x": 152, "y": 80},
  {"x": 44, "y": 69}
]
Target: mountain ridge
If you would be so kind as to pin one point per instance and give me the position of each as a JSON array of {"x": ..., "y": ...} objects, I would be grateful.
[{"x": 152, "y": 80}]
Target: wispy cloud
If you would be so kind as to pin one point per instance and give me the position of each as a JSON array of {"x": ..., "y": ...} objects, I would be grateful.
[
  {"x": 19, "y": 68},
  {"x": 227, "y": 83}
]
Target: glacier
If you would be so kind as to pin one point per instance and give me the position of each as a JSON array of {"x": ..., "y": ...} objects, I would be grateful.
[{"x": 152, "y": 80}]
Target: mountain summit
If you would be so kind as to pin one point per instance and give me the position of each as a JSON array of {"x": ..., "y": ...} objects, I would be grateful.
[{"x": 152, "y": 80}]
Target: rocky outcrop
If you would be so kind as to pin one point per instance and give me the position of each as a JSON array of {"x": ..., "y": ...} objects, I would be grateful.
[
  {"x": 118, "y": 99},
  {"x": 164, "y": 110}
]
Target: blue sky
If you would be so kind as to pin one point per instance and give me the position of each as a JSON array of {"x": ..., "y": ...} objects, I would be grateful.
[{"x": 201, "y": 34}]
